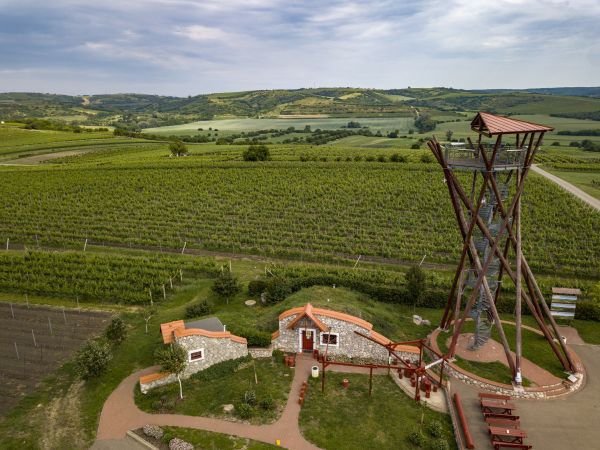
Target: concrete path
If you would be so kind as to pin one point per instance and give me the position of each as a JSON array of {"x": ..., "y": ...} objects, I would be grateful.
[
  {"x": 555, "y": 424},
  {"x": 120, "y": 413},
  {"x": 587, "y": 198}
]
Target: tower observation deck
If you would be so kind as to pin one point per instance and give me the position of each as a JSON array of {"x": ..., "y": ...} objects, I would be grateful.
[{"x": 488, "y": 212}]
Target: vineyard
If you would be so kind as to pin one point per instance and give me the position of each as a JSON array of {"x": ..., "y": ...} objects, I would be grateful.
[
  {"x": 35, "y": 341},
  {"x": 311, "y": 210},
  {"x": 97, "y": 277}
]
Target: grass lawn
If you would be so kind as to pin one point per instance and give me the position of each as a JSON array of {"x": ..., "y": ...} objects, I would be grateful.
[
  {"x": 350, "y": 419},
  {"x": 213, "y": 441},
  {"x": 535, "y": 348},
  {"x": 392, "y": 320},
  {"x": 207, "y": 397},
  {"x": 588, "y": 330}
]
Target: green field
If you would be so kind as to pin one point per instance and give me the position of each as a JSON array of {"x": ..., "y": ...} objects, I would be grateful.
[
  {"x": 401, "y": 123},
  {"x": 307, "y": 214},
  {"x": 586, "y": 181}
]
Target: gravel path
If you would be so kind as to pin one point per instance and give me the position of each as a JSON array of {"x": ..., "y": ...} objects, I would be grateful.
[{"x": 587, "y": 198}]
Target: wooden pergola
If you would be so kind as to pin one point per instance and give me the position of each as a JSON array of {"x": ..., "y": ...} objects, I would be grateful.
[{"x": 488, "y": 212}]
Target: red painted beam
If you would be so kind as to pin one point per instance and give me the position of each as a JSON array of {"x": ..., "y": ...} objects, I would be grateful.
[{"x": 463, "y": 422}]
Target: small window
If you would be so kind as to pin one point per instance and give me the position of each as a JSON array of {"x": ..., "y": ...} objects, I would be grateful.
[
  {"x": 196, "y": 355},
  {"x": 330, "y": 338}
]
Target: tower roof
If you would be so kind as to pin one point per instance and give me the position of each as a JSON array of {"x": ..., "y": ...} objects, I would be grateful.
[{"x": 490, "y": 125}]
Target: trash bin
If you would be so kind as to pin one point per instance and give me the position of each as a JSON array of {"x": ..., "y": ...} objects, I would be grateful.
[{"x": 315, "y": 371}]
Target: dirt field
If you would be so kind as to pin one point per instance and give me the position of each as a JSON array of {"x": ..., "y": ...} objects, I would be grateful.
[{"x": 36, "y": 342}]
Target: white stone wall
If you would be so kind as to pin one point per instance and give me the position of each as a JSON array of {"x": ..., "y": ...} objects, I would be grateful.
[
  {"x": 145, "y": 387},
  {"x": 350, "y": 345},
  {"x": 216, "y": 350}
]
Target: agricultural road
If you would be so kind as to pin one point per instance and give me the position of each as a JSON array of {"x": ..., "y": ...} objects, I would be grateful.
[{"x": 587, "y": 198}]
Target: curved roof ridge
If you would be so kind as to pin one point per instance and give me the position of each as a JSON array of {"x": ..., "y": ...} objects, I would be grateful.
[{"x": 309, "y": 309}]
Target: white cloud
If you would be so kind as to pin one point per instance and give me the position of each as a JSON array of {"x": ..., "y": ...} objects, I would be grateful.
[{"x": 202, "y": 33}]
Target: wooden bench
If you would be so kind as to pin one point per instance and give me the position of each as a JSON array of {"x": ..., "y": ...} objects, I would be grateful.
[
  {"x": 500, "y": 416},
  {"x": 497, "y": 406},
  {"x": 503, "y": 422},
  {"x": 500, "y": 444},
  {"x": 494, "y": 396}
]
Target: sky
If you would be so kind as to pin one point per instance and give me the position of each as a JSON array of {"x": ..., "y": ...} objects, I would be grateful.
[{"x": 191, "y": 47}]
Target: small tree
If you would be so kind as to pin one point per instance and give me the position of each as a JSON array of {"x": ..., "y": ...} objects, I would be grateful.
[
  {"x": 449, "y": 134},
  {"x": 172, "y": 360},
  {"x": 226, "y": 285},
  {"x": 116, "y": 331},
  {"x": 257, "y": 153},
  {"x": 149, "y": 312},
  {"x": 92, "y": 359},
  {"x": 178, "y": 148},
  {"x": 415, "y": 282}
]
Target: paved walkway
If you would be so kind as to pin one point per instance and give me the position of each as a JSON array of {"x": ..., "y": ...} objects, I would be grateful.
[
  {"x": 587, "y": 198},
  {"x": 554, "y": 424},
  {"x": 120, "y": 413}
]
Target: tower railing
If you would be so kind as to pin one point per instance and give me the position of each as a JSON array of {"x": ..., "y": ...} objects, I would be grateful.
[{"x": 507, "y": 157}]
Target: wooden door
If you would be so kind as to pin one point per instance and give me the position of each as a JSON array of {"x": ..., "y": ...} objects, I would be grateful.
[{"x": 308, "y": 337}]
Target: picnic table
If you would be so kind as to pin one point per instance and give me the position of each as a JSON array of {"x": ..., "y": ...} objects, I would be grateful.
[
  {"x": 511, "y": 435},
  {"x": 495, "y": 406},
  {"x": 502, "y": 422}
]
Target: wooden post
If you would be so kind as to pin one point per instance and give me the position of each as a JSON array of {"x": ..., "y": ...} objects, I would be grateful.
[
  {"x": 171, "y": 282},
  {"x": 183, "y": 249},
  {"x": 7, "y": 241},
  {"x": 151, "y": 301},
  {"x": 85, "y": 244},
  {"x": 519, "y": 254},
  {"x": 180, "y": 274},
  {"x": 27, "y": 300},
  {"x": 33, "y": 336},
  {"x": 17, "y": 350},
  {"x": 164, "y": 292},
  {"x": 12, "y": 311},
  {"x": 64, "y": 315},
  {"x": 50, "y": 326}
]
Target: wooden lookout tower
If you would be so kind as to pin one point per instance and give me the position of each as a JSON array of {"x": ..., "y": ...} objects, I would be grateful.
[{"x": 488, "y": 211}]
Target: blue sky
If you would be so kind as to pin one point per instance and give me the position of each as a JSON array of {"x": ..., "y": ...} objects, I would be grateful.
[{"x": 189, "y": 47}]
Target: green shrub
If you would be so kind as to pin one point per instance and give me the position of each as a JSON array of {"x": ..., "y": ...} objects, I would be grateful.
[
  {"x": 267, "y": 404},
  {"x": 396, "y": 157},
  {"x": 417, "y": 438},
  {"x": 92, "y": 359},
  {"x": 257, "y": 153},
  {"x": 440, "y": 444},
  {"x": 256, "y": 287},
  {"x": 116, "y": 331},
  {"x": 587, "y": 310},
  {"x": 255, "y": 338},
  {"x": 250, "y": 398},
  {"x": 244, "y": 410},
  {"x": 198, "y": 309},
  {"x": 277, "y": 290},
  {"x": 277, "y": 355},
  {"x": 435, "y": 429}
]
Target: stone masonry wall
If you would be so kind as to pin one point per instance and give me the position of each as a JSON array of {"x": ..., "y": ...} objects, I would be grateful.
[
  {"x": 350, "y": 344},
  {"x": 216, "y": 350}
]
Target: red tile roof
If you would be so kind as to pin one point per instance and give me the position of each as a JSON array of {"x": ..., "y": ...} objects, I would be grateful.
[
  {"x": 491, "y": 124},
  {"x": 177, "y": 329},
  {"x": 152, "y": 377},
  {"x": 310, "y": 311}
]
